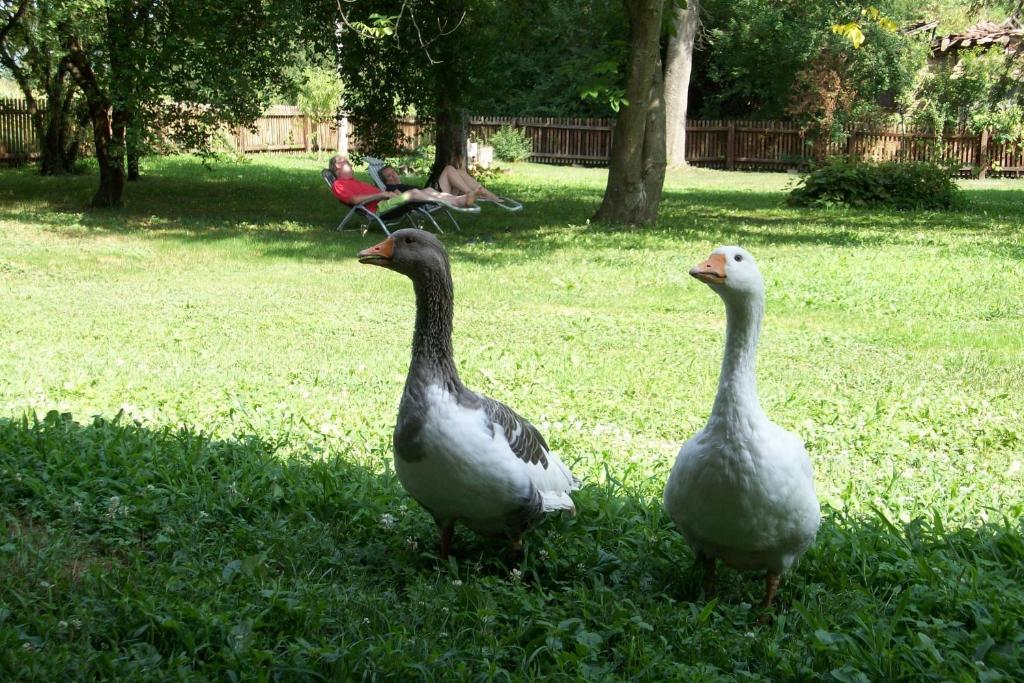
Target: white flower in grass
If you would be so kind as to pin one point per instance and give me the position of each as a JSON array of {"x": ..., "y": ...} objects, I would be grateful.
[
  {"x": 411, "y": 542},
  {"x": 62, "y": 625},
  {"x": 366, "y": 620},
  {"x": 387, "y": 520},
  {"x": 455, "y": 583},
  {"x": 515, "y": 574},
  {"x": 203, "y": 514},
  {"x": 28, "y": 647},
  {"x": 45, "y": 584},
  {"x": 76, "y": 622}
]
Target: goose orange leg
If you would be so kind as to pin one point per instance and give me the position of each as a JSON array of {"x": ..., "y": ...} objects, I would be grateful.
[
  {"x": 771, "y": 586},
  {"x": 447, "y": 530}
]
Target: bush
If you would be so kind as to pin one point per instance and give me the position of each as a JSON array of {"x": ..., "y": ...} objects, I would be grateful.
[
  {"x": 511, "y": 144},
  {"x": 417, "y": 163},
  {"x": 916, "y": 185}
]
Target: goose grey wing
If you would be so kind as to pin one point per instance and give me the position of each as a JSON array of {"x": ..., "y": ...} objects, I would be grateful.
[{"x": 523, "y": 438}]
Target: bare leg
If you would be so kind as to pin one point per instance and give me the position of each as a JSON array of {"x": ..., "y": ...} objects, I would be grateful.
[
  {"x": 447, "y": 530},
  {"x": 710, "y": 565},
  {"x": 457, "y": 181},
  {"x": 431, "y": 195}
]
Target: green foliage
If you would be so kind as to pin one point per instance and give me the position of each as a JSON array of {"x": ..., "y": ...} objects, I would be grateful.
[
  {"x": 980, "y": 89},
  {"x": 320, "y": 93},
  {"x": 319, "y": 96},
  {"x": 391, "y": 64},
  {"x": 511, "y": 144},
  {"x": 1005, "y": 121},
  {"x": 853, "y": 31},
  {"x": 743, "y": 36},
  {"x": 538, "y": 57},
  {"x": 916, "y": 185},
  {"x": 418, "y": 163},
  {"x": 240, "y": 518}
]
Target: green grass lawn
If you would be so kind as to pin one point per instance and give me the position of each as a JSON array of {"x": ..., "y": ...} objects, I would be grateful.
[{"x": 197, "y": 395}]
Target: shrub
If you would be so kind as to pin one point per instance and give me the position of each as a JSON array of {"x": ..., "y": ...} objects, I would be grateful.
[
  {"x": 511, "y": 144},
  {"x": 417, "y": 163},
  {"x": 916, "y": 185}
]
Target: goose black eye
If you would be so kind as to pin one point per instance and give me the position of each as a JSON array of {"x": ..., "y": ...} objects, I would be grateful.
[
  {"x": 408, "y": 240},
  {"x": 737, "y": 257}
]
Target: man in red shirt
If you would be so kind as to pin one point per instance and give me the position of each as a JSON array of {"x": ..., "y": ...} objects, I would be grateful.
[{"x": 351, "y": 191}]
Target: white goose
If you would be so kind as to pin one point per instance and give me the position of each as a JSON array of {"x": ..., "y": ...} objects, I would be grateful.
[
  {"x": 742, "y": 489},
  {"x": 463, "y": 456}
]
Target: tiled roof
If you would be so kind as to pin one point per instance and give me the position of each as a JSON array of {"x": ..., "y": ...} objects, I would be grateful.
[{"x": 1008, "y": 34}]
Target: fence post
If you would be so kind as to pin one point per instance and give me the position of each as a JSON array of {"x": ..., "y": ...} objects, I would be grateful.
[
  {"x": 241, "y": 140},
  {"x": 851, "y": 146},
  {"x": 983, "y": 154},
  {"x": 730, "y": 147},
  {"x": 305, "y": 132}
]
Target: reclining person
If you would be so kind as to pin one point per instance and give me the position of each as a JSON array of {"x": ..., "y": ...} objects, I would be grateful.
[
  {"x": 351, "y": 191},
  {"x": 452, "y": 181}
]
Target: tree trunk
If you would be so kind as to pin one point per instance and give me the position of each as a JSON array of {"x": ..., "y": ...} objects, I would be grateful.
[
  {"x": 108, "y": 129},
  {"x": 636, "y": 171},
  {"x": 59, "y": 138},
  {"x": 109, "y": 124},
  {"x": 678, "y": 63},
  {"x": 450, "y": 121},
  {"x": 450, "y": 138}
]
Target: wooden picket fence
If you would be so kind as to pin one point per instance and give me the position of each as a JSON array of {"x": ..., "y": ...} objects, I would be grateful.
[
  {"x": 741, "y": 145},
  {"x": 763, "y": 145},
  {"x": 17, "y": 136}
]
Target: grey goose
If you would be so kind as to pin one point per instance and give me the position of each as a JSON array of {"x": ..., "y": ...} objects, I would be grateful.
[{"x": 463, "y": 456}]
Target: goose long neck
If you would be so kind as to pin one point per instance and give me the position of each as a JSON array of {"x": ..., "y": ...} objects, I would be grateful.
[
  {"x": 433, "y": 360},
  {"x": 737, "y": 385}
]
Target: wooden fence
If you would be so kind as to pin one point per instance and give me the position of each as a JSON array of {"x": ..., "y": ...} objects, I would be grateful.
[
  {"x": 17, "y": 136},
  {"x": 763, "y": 145},
  {"x": 744, "y": 145}
]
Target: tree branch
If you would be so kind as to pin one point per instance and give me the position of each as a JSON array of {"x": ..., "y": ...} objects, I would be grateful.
[{"x": 13, "y": 20}]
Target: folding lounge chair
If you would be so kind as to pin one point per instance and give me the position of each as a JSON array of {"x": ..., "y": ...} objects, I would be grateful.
[
  {"x": 374, "y": 166},
  {"x": 506, "y": 203},
  {"x": 394, "y": 217}
]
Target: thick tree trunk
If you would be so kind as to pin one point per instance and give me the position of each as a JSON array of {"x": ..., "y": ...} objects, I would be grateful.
[
  {"x": 636, "y": 170},
  {"x": 108, "y": 129},
  {"x": 678, "y": 63},
  {"x": 450, "y": 121},
  {"x": 451, "y": 133},
  {"x": 109, "y": 125}
]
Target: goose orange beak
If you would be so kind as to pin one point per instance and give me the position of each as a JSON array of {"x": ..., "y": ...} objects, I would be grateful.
[
  {"x": 378, "y": 254},
  {"x": 712, "y": 271}
]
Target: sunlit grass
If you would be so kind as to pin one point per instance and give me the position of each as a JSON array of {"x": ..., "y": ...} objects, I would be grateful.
[{"x": 233, "y": 516}]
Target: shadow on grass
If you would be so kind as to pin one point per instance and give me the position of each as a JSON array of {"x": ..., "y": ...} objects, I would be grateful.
[
  {"x": 204, "y": 555},
  {"x": 291, "y": 212}
]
